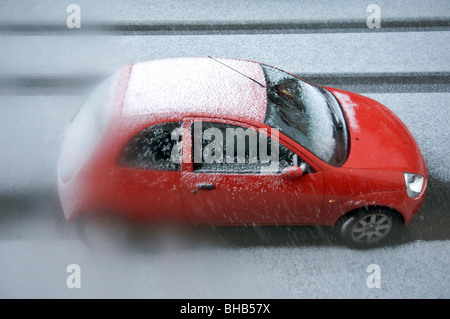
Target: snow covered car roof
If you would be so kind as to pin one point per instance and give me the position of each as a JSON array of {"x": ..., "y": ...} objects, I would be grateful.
[{"x": 191, "y": 85}]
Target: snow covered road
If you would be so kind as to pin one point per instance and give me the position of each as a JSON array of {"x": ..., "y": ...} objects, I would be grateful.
[
  {"x": 37, "y": 269},
  {"x": 298, "y": 53}
]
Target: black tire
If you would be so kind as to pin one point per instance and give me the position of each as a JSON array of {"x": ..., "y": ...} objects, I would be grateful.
[{"x": 369, "y": 228}]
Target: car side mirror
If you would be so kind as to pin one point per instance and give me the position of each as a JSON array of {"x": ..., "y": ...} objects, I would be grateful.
[{"x": 292, "y": 172}]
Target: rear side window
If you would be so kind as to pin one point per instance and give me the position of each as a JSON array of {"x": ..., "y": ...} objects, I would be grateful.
[{"x": 155, "y": 148}]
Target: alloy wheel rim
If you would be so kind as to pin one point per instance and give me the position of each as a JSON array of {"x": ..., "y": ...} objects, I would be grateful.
[{"x": 371, "y": 228}]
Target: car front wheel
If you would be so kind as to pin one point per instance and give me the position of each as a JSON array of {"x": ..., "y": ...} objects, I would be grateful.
[{"x": 369, "y": 228}]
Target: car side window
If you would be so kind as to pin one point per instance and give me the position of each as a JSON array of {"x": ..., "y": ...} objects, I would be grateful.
[
  {"x": 226, "y": 148},
  {"x": 155, "y": 148}
]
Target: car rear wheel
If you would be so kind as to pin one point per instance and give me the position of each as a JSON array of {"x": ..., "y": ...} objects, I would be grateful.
[
  {"x": 104, "y": 231},
  {"x": 369, "y": 228}
]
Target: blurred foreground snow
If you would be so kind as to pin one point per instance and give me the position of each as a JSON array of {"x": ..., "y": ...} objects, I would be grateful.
[{"x": 413, "y": 270}]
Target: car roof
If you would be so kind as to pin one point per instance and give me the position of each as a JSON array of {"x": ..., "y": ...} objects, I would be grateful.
[{"x": 203, "y": 86}]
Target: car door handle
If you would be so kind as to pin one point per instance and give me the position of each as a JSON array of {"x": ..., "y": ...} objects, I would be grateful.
[{"x": 206, "y": 187}]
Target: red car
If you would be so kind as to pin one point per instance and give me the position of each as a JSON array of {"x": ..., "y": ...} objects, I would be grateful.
[{"x": 233, "y": 142}]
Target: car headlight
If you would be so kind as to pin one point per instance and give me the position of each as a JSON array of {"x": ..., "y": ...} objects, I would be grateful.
[{"x": 414, "y": 183}]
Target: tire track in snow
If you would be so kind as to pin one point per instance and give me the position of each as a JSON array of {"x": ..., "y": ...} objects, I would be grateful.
[
  {"x": 417, "y": 82},
  {"x": 226, "y": 28}
]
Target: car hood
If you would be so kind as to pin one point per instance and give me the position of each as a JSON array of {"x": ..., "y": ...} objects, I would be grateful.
[{"x": 379, "y": 139}]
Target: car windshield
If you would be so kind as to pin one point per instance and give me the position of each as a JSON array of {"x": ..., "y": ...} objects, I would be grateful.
[{"x": 308, "y": 114}]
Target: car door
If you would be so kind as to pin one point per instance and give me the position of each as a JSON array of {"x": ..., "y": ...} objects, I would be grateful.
[
  {"x": 233, "y": 190},
  {"x": 149, "y": 175}
]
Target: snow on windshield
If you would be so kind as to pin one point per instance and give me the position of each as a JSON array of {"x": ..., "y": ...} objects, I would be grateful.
[{"x": 300, "y": 111}]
